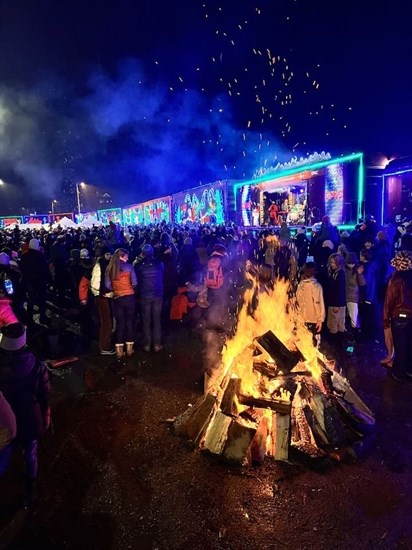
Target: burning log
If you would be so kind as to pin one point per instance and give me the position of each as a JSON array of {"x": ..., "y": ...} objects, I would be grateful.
[
  {"x": 258, "y": 447},
  {"x": 283, "y": 358},
  {"x": 240, "y": 436},
  {"x": 194, "y": 421},
  {"x": 217, "y": 433},
  {"x": 277, "y": 405},
  {"x": 228, "y": 405},
  {"x": 271, "y": 371},
  {"x": 280, "y": 436}
]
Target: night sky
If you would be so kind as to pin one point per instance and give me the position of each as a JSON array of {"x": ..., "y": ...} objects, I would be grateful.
[{"x": 147, "y": 98}]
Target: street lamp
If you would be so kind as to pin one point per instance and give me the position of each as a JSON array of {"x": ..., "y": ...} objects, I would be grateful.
[
  {"x": 78, "y": 185},
  {"x": 52, "y": 206}
]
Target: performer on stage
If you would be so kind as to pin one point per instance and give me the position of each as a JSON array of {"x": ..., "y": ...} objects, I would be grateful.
[{"x": 273, "y": 214}]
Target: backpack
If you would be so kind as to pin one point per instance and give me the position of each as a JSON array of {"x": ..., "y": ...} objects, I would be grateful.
[{"x": 214, "y": 273}]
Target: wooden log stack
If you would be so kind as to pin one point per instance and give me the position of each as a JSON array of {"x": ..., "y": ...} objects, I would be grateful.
[{"x": 322, "y": 417}]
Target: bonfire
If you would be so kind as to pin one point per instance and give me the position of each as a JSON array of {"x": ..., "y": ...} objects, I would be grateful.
[{"x": 275, "y": 392}]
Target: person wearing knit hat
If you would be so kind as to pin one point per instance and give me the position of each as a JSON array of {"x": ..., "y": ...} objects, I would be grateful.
[
  {"x": 397, "y": 315},
  {"x": 34, "y": 244},
  {"x": 4, "y": 259},
  {"x": 24, "y": 382}
]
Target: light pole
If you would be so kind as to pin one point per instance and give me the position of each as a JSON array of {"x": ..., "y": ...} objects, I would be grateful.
[
  {"x": 78, "y": 185},
  {"x": 52, "y": 206}
]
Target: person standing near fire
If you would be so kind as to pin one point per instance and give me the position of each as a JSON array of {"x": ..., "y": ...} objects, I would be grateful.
[
  {"x": 397, "y": 315},
  {"x": 309, "y": 298},
  {"x": 335, "y": 297},
  {"x": 217, "y": 325}
]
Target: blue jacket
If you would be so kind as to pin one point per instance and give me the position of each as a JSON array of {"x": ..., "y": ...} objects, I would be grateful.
[{"x": 149, "y": 273}]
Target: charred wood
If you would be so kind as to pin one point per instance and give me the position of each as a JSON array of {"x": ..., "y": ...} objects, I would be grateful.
[
  {"x": 281, "y": 355},
  {"x": 259, "y": 442},
  {"x": 280, "y": 406}
]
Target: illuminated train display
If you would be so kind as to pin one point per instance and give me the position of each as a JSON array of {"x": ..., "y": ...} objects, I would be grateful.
[{"x": 300, "y": 192}]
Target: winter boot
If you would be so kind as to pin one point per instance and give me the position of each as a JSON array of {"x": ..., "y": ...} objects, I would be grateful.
[
  {"x": 129, "y": 349},
  {"x": 119, "y": 350}
]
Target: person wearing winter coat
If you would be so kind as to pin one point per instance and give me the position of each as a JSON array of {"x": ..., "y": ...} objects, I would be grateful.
[
  {"x": 24, "y": 382},
  {"x": 102, "y": 297},
  {"x": 7, "y": 316},
  {"x": 397, "y": 314},
  {"x": 150, "y": 273},
  {"x": 188, "y": 263},
  {"x": 121, "y": 280},
  {"x": 84, "y": 294},
  {"x": 354, "y": 280},
  {"x": 60, "y": 256},
  {"x": 35, "y": 271},
  {"x": 302, "y": 246},
  {"x": 8, "y": 430},
  {"x": 335, "y": 295},
  {"x": 309, "y": 297},
  {"x": 368, "y": 297},
  {"x": 16, "y": 295}
]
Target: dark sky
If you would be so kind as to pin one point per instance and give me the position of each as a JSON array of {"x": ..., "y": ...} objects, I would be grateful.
[{"x": 152, "y": 97}]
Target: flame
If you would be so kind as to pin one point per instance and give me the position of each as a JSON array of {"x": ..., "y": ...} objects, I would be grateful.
[{"x": 277, "y": 312}]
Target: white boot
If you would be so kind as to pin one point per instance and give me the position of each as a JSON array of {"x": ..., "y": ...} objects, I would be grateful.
[
  {"x": 119, "y": 350},
  {"x": 129, "y": 349}
]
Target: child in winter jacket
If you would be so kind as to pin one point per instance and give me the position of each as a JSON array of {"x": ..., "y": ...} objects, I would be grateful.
[
  {"x": 309, "y": 296},
  {"x": 335, "y": 294},
  {"x": 354, "y": 280}
]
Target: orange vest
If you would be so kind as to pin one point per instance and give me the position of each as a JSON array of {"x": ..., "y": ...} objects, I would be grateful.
[{"x": 122, "y": 286}]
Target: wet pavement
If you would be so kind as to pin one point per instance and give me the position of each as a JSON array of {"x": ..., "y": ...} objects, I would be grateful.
[{"x": 112, "y": 476}]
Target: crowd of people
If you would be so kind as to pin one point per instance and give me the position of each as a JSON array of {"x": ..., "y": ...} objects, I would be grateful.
[{"x": 131, "y": 284}]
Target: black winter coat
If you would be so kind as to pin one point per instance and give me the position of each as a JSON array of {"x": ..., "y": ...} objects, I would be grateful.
[
  {"x": 24, "y": 382},
  {"x": 34, "y": 268}
]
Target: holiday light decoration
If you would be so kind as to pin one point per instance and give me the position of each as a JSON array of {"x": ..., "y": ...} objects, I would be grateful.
[
  {"x": 6, "y": 221},
  {"x": 110, "y": 215},
  {"x": 133, "y": 215},
  {"x": 334, "y": 183},
  {"x": 204, "y": 204},
  {"x": 156, "y": 211},
  {"x": 42, "y": 219},
  {"x": 293, "y": 163}
]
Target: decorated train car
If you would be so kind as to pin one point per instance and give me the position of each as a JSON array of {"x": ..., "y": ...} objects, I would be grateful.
[
  {"x": 91, "y": 215},
  {"x": 204, "y": 204},
  {"x": 110, "y": 215},
  {"x": 301, "y": 192},
  {"x": 157, "y": 211},
  {"x": 133, "y": 214},
  {"x": 6, "y": 221}
]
